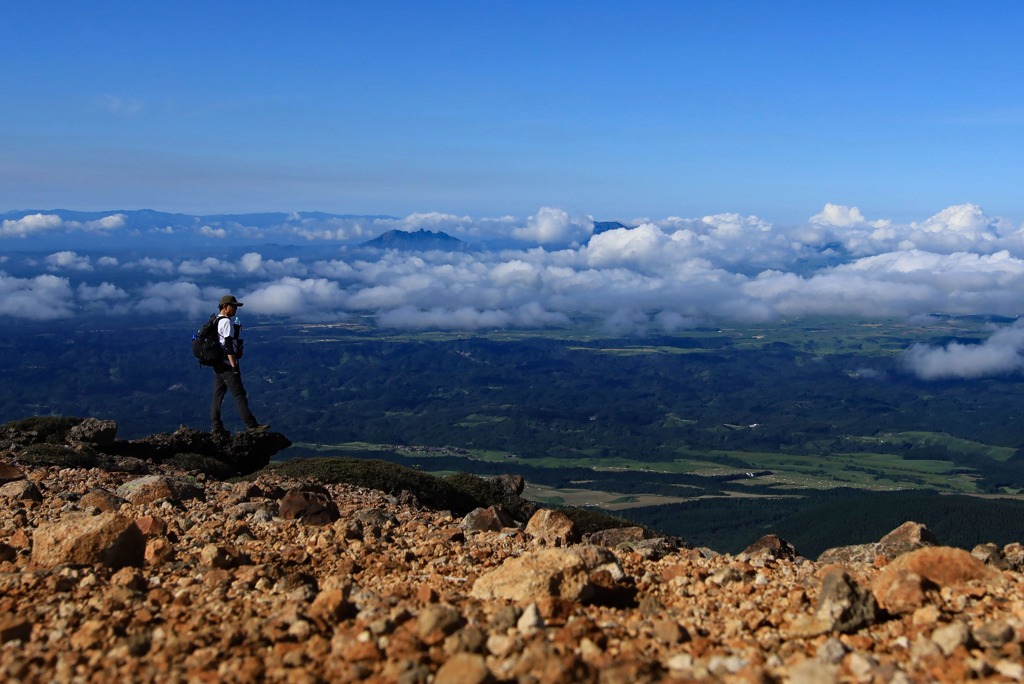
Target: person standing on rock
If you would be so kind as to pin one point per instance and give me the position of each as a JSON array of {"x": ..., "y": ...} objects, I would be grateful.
[{"x": 228, "y": 373}]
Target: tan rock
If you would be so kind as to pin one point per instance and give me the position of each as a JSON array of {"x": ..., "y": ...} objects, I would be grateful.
[
  {"x": 437, "y": 621},
  {"x": 532, "y": 576},
  {"x": 552, "y": 528},
  {"x": 907, "y": 537},
  {"x": 159, "y": 550},
  {"x": 151, "y": 526},
  {"x": 900, "y": 591},
  {"x": 14, "y": 628},
  {"x": 145, "y": 490},
  {"x": 490, "y": 519},
  {"x": 330, "y": 606},
  {"x": 101, "y": 500},
  {"x": 109, "y": 539},
  {"x": 464, "y": 668},
  {"x": 942, "y": 565},
  {"x": 21, "y": 490},
  {"x": 10, "y": 472}
]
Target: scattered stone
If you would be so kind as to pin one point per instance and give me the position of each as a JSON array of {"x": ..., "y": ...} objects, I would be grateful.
[
  {"x": 464, "y": 668},
  {"x": 490, "y": 519},
  {"x": 150, "y": 488},
  {"x": 615, "y": 537},
  {"x": 901, "y": 591},
  {"x": 1013, "y": 553},
  {"x": 437, "y": 621},
  {"x": 536, "y": 575},
  {"x": 950, "y": 637},
  {"x": 909, "y": 536},
  {"x": 392, "y": 592},
  {"x": 944, "y": 566},
  {"x": 101, "y": 500},
  {"x": 843, "y": 606},
  {"x": 310, "y": 504},
  {"x": 10, "y": 472},
  {"x": 552, "y": 528},
  {"x": 96, "y": 433},
  {"x": 530, "y": 621},
  {"x": 21, "y": 490},
  {"x": 107, "y": 539},
  {"x": 991, "y": 554},
  {"x": 772, "y": 546},
  {"x": 994, "y": 634},
  {"x": 14, "y": 628}
]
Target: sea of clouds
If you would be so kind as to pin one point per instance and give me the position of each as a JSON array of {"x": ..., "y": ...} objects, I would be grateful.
[{"x": 648, "y": 276}]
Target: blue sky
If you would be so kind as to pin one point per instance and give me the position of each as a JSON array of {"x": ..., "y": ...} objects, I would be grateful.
[{"x": 614, "y": 110}]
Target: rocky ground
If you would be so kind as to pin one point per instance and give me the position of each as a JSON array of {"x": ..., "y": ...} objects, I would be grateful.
[{"x": 167, "y": 574}]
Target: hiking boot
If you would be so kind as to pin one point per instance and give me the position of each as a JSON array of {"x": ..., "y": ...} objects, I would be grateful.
[
  {"x": 258, "y": 429},
  {"x": 220, "y": 434}
]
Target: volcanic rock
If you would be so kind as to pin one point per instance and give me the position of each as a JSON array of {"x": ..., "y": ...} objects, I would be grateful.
[
  {"x": 95, "y": 432},
  {"x": 221, "y": 587},
  {"x": 311, "y": 505},
  {"x": 152, "y": 488},
  {"x": 490, "y": 519},
  {"x": 537, "y": 575},
  {"x": 107, "y": 539},
  {"x": 552, "y": 528}
]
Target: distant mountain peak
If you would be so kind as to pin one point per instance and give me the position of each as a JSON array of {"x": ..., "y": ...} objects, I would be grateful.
[{"x": 418, "y": 240}]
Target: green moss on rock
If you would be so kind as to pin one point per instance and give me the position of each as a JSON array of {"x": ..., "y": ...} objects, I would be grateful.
[
  {"x": 589, "y": 521},
  {"x": 50, "y": 429},
  {"x": 63, "y": 456}
]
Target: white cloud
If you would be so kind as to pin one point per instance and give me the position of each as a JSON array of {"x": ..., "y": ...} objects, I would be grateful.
[
  {"x": 175, "y": 297},
  {"x": 43, "y": 298},
  {"x": 469, "y": 318},
  {"x": 105, "y": 224},
  {"x": 842, "y": 217},
  {"x": 998, "y": 355},
  {"x": 210, "y": 231},
  {"x": 669, "y": 274},
  {"x": 68, "y": 260},
  {"x": 290, "y": 296},
  {"x": 159, "y": 266},
  {"x": 208, "y": 265},
  {"x": 551, "y": 225},
  {"x": 40, "y": 223},
  {"x": 103, "y": 292},
  {"x": 28, "y": 225}
]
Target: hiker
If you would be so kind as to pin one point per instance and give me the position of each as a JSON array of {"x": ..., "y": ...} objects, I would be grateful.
[{"x": 228, "y": 373}]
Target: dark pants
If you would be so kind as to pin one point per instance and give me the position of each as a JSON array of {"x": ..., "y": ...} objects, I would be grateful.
[{"x": 226, "y": 378}]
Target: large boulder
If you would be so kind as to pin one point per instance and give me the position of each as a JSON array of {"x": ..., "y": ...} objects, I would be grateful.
[
  {"x": 243, "y": 453},
  {"x": 311, "y": 504},
  {"x": 95, "y": 432},
  {"x": 108, "y": 539},
  {"x": 490, "y": 519},
  {"x": 907, "y": 537},
  {"x": 558, "y": 573},
  {"x": 903, "y": 585},
  {"x": 150, "y": 488},
  {"x": 618, "y": 536},
  {"x": 843, "y": 606},
  {"x": 552, "y": 528}
]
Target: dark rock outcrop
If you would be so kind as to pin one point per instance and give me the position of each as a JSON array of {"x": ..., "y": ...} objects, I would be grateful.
[{"x": 91, "y": 443}]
